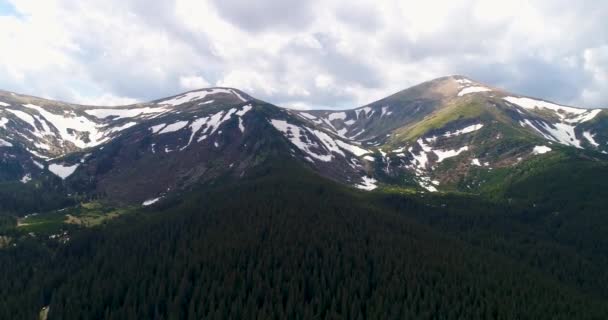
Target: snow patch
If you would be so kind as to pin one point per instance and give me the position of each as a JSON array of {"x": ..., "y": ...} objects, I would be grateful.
[
  {"x": 567, "y": 114},
  {"x": 385, "y": 112},
  {"x": 241, "y": 126},
  {"x": 368, "y": 184},
  {"x": 122, "y": 113},
  {"x": 66, "y": 124},
  {"x": 540, "y": 150},
  {"x": 297, "y": 137},
  {"x": 307, "y": 115},
  {"x": 4, "y": 143},
  {"x": 195, "y": 126},
  {"x": 38, "y": 164},
  {"x": 198, "y": 95},
  {"x": 358, "y": 151},
  {"x": 465, "y": 130},
  {"x": 26, "y": 178},
  {"x": 243, "y": 111},
  {"x": 445, "y": 154},
  {"x": 336, "y": 116},
  {"x": 174, "y": 127},
  {"x": 23, "y": 116},
  {"x": 150, "y": 201},
  {"x": 120, "y": 128},
  {"x": 62, "y": 171},
  {"x": 156, "y": 128},
  {"x": 560, "y": 132},
  {"x": 591, "y": 138},
  {"x": 468, "y": 90}
]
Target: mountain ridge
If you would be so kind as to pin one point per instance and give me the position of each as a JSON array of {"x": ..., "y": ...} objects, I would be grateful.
[{"x": 441, "y": 135}]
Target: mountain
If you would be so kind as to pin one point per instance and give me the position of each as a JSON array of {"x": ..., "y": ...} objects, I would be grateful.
[
  {"x": 449, "y": 134},
  {"x": 451, "y": 199}
]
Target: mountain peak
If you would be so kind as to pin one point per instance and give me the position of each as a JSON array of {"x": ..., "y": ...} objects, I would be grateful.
[{"x": 206, "y": 95}]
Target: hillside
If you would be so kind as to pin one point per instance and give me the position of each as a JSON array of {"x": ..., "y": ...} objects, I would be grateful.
[{"x": 448, "y": 200}]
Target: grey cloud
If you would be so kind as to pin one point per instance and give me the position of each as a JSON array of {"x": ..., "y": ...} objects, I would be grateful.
[
  {"x": 263, "y": 14},
  {"x": 485, "y": 50},
  {"x": 360, "y": 16}
]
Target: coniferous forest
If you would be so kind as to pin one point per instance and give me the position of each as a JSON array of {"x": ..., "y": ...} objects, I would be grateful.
[{"x": 288, "y": 244}]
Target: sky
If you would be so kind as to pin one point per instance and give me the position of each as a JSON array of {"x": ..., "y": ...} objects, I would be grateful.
[{"x": 301, "y": 54}]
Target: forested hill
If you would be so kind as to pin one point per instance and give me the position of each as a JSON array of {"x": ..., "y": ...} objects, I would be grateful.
[{"x": 263, "y": 249}]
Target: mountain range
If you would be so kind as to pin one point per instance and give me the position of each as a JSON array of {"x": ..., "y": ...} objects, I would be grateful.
[
  {"x": 451, "y": 199},
  {"x": 450, "y": 134}
]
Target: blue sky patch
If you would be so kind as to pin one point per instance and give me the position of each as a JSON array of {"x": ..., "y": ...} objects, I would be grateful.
[{"x": 7, "y": 9}]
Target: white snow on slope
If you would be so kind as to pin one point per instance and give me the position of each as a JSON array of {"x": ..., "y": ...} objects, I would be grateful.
[
  {"x": 23, "y": 116},
  {"x": 369, "y": 158},
  {"x": 26, "y": 178},
  {"x": 45, "y": 126},
  {"x": 213, "y": 124},
  {"x": 567, "y": 114},
  {"x": 385, "y": 112},
  {"x": 465, "y": 130},
  {"x": 307, "y": 115},
  {"x": 243, "y": 111},
  {"x": 464, "y": 81},
  {"x": 123, "y": 113},
  {"x": 3, "y": 122},
  {"x": 444, "y": 154},
  {"x": 157, "y": 127},
  {"x": 66, "y": 122},
  {"x": 366, "y": 110},
  {"x": 329, "y": 143},
  {"x": 120, "y": 128},
  {"x": 195, "y": 126},
  {"x": 198, "y": 95},
  {"x": 241, "y": 126},
  {"x": 174, "y": 127},
  {"x": 358, "y": 151},
  {"x": 335, "y": 145},
  {"x": 560, "y": 132},
  {"x": 368, "y": 184},
  {"x": 336, "y": 116},
  {"x": 4, "y": 143},
  {"x": 62, "y": 171},
  {"x": 540, "y": 150},
  {"x": 591, "y": 138},
  {"x": 185, "y": 98},
  {"x": 564, "y": 134},
  {"x": 4, "y": 104},
  {"x": 585, "y": 116},
  {"x": 476, "y": 162},
  {"x": 468, "y": 90},
  {"x": 297, "y": 137},
  {"x": 238, "y": 95},
  {"x": 151, "y": 201},
  {"x": 38, "y": 164}
]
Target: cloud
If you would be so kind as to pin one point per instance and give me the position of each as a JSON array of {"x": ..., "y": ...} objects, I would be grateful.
[
  {"x": 264, "y": 14},
  {"x": 192, "y": 82},
  {"x": 329, "y": 54}
]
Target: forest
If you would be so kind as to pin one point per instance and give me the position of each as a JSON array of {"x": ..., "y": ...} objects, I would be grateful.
[{"x": 288, "y": 244}]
